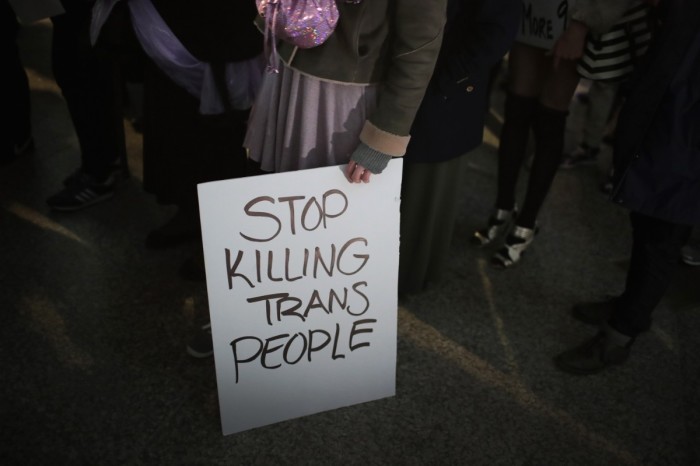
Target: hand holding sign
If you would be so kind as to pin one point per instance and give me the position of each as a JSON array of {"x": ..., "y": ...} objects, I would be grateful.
[{"x": 357, "y": 173}]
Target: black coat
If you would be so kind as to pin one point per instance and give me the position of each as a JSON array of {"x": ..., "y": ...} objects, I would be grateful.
[
  {"x": 181, "y": 147},
  {"x": 450, "y": 121},
  {"x": 657, "y": 148},
  {"x": 215, "y": 31}
]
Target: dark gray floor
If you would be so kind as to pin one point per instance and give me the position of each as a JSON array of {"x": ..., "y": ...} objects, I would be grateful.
[{"x": 93, "y": 328}]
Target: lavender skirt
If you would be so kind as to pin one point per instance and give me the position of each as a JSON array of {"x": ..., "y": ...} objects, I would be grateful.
[{"x": 300, "y": 122}]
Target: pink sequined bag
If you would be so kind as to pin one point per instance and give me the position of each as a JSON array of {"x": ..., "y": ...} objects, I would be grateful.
[{"x": 303, "y": 23}]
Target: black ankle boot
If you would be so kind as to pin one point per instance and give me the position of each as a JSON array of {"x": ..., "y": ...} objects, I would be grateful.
[{"x": 609, "y": 347}]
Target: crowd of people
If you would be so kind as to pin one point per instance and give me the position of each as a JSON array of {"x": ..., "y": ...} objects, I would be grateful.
[{"x": 396, "y": 78}]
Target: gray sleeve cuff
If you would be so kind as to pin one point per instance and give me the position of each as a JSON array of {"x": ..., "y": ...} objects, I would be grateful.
[{"x": 371, "y": 159}]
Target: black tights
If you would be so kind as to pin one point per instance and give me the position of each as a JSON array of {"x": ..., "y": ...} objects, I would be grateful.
[
  {"x": 548, "y": 126},
  {"x": 538, "y": 100},
  {"x": 519, "y": 112}
]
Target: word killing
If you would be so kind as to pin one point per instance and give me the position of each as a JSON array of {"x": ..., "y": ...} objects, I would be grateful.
[{"x": 345, "y": 260}]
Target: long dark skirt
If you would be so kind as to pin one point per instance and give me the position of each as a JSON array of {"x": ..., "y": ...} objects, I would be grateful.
[
  {"x": 181, "y": 147},
  {"x": 429, "y": 204}
]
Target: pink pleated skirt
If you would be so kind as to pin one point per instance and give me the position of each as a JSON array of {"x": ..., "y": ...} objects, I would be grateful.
[{"x": 299, "y": 121}]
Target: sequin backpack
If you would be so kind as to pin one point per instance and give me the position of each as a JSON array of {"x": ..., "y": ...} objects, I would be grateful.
[{"x": 303, "y": 23}]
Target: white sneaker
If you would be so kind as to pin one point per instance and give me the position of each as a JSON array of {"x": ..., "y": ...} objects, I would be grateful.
[
  {"x": 497, "y": 226},
  {"x": 690, "y": 255},
  {"x": 514, "y": 247},
  {"x": 582, "y": 155},
  {"x": 201, "y": 344}
]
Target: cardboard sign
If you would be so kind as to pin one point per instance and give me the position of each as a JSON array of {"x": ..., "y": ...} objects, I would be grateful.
[
  {"x": 543, "y": 21},
  {"x": 29, "y": 11},
  {"x": 302, "y": 275}
]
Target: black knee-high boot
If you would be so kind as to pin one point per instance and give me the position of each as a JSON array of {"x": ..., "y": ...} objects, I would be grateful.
[
  {"x": 548, "y": 127},
  {"x": 518, "y": 117}
]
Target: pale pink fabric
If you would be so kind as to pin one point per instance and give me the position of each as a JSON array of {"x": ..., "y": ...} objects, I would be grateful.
[{"x": 301, "y": 122}]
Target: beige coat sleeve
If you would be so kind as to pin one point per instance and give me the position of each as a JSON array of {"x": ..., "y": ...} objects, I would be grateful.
[
  {"x": 414, "y": 46},
  {"x": 601, "y": 15}
]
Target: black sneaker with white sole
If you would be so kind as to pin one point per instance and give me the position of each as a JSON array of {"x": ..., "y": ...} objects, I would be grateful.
[
  {"x": 691, "y": 254},
  {"x": 514, "y": 247},
  {"x": 201, "y": 345},
  {"x": 582, "y": 155},
  {"x": 82, "y": 192},
  {"x": 498, "y": 224}
]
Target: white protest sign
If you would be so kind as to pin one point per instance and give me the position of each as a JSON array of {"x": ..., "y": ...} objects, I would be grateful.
[
  {"x": 543, "y": 21},
  {"x": 302, "y": 282},
  {"x": 29, "y": 11}
]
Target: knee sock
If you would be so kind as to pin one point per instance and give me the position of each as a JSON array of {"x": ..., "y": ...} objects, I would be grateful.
[
  {"x": 548, "y": 127},
  {"x": 518, "y": 117}
]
